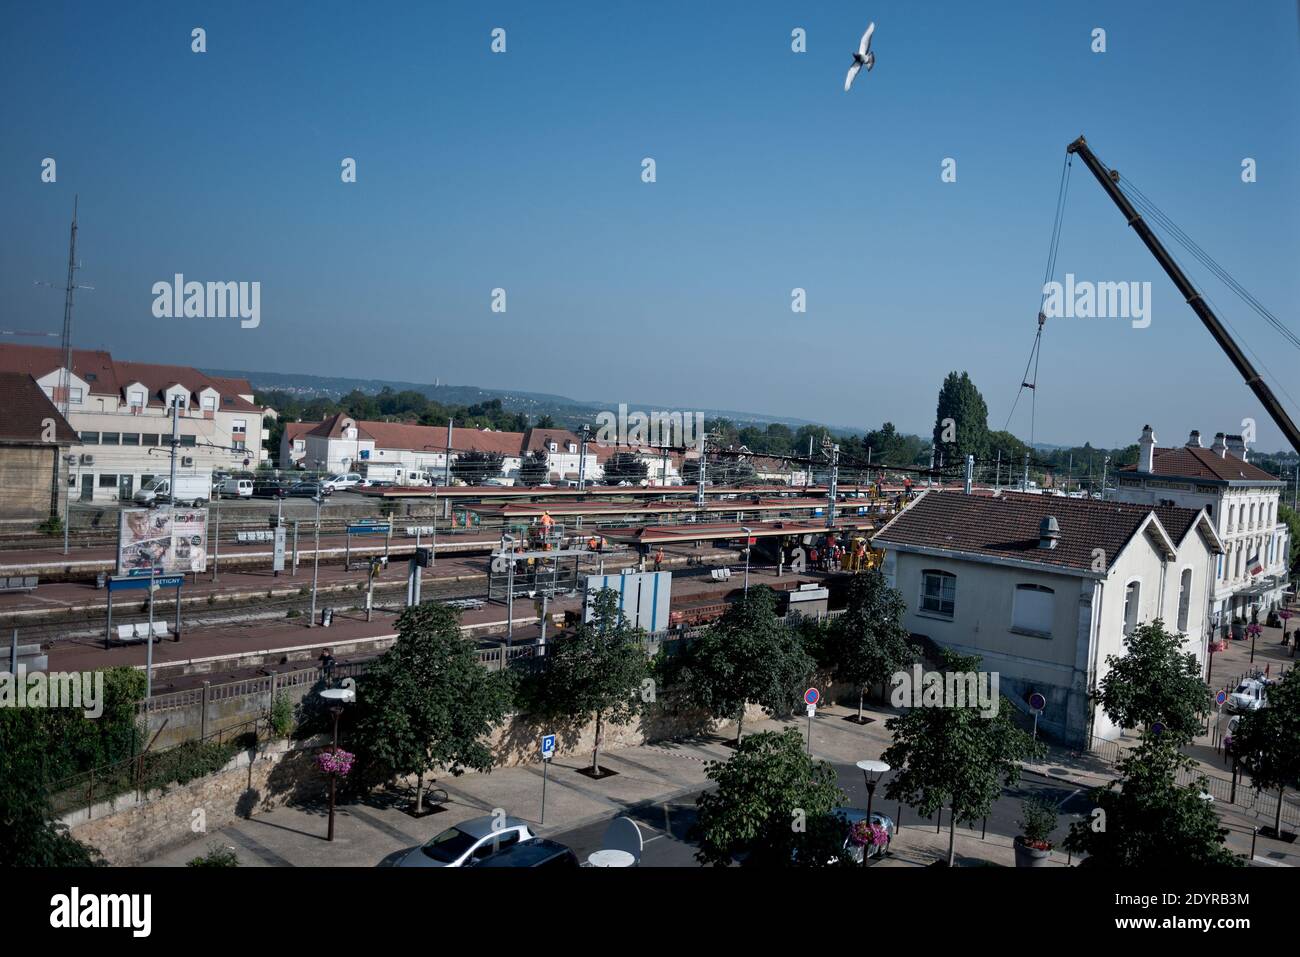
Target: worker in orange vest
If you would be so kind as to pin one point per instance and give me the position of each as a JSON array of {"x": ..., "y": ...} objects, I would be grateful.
[
  {"x": 659, "y": 558},
  {"x": 592, "y": 544}
]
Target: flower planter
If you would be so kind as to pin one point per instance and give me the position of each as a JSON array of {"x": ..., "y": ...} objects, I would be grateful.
[{"x": 1027, "y": 856}]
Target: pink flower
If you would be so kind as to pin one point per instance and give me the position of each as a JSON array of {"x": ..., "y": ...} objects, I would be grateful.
[{"x": 335, "y": 762}]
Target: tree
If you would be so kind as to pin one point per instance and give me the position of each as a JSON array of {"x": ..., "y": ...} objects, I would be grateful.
[
  {"x": 954, "y": 756},
  {"x": 748, "y": 655},
  {"x": 1291, "y": 519},
  {"x": 766, "y": 793},
  {"x": 428, "y": 703},
  {"x": 544, "y": 422},
  {"x": 473, "y": 467},
  {"x": 534, "y": 468},
  {"x": 1156, "y": 680},
  {"x": 868, "y": 643},
  {"x": 968, "y": 432},
  {"x": 599, "y": 669},
  {"x": 624, "y": 467},
  {"x": 1267, "y": 742},
  {"x": 1146, "y": 819}
]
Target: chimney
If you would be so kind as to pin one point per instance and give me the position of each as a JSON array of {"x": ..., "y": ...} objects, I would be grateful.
[
  {"x": 1194, "y": 440},
  {"x": 1049, "y": 532},
  {"x": 1147, "y": 450},
  {"x": 1219, "y": 447},
  {"x": 1236, "y": 445}
]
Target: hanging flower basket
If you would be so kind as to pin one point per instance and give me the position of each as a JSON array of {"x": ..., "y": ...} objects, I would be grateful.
[
  {"x": 866, "y": 833},
  {"x": 336, "y": 762}
]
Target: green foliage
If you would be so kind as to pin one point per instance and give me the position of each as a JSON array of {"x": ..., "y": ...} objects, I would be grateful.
[
  {"x": 747, "y": 656},
  {"x": 890, "y": 447},
  {"x": 427, "y": 703},
  {"x": 1147, "y": 820},
  {"x": 960, "y": 401},
  {"x": 1267, "y": 741},
  {"x": 953, "y": 757},
  {"x": 475, "y": 467},
  {"x": 534, "y": 468},
  {"x": 1038, "y": 821},
  {"x": 1156, "y": 680},
  {"x": 215, "y": 856},
  {"x": 282, "y": 715},
  {"x": 768, "y": 789},
  {"x": 868, "y": 643},
  {"x": 51, "y": 526},
  {"x": 625, "y": 467},
  {"x": 597, "y": 670}
]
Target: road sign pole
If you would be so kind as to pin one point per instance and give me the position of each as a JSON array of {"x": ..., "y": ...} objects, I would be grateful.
[
  {"x": 148, "y": 665},
  {"x": 295, "y": 548},
  {"x": 545, "y": 764}
]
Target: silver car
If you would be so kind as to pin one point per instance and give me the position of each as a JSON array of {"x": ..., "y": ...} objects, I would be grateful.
[{"x": 468, "y": 841}]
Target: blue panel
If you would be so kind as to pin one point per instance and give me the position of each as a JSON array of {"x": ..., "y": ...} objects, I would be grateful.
[{"x": 654, "y": 610}]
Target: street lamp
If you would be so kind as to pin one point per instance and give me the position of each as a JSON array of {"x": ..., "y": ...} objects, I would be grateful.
[
  {"x": 748, "y": 543},
  {"x": 872, "y": 771},
  {"x": 336, "y": 698}
]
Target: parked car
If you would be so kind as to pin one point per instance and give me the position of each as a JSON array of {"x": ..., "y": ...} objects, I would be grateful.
[
  {"x": 270, "y": 488},
  {"x": 1251, "y": 695},
  {"x": 539, "y": 852},
  {"x": 471, "y": 840},
  {"x": 309, "y": 490},
  {"x": 345, "y": 480}
]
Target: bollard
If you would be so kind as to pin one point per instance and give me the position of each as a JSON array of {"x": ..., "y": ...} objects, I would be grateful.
[
  {"x": 985, "y": 831},
  {"x": 1254, "y": 833},
  {"x": 899, "y": 821},
  {"x": 938, "y": 819}
]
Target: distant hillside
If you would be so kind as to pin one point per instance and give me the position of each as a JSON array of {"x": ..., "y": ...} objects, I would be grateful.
[{"x": 565, "y": 411}]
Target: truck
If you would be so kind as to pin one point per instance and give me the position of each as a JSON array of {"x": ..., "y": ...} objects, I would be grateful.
[
  {"x": 193, "y": 489},
  {"x": 397, "y": 475}
]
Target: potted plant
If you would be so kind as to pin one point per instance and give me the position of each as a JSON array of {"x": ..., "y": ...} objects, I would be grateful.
[
  {"x": 866, "y": 838},
  {"x": 1033, "y": 847}
]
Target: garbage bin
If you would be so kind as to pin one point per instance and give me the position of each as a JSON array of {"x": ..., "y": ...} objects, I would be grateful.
[{"x": 326, "y": 617}]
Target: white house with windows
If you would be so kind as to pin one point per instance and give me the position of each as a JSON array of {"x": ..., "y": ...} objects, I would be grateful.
[
  {"x": 1043, "y": 589},
  {"x": 1242, "y": 501},
  {"x": 121, "y": 412}
]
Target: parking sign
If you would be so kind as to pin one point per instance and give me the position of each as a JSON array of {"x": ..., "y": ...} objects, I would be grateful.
[{"x": 548, "y": 746}]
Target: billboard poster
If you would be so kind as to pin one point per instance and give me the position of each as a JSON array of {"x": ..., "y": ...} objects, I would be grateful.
[{"x": 168, "y": 540}]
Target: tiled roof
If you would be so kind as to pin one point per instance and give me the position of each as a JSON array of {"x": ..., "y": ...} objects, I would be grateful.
[
  {"x": 539, "y": 440},
  {"x": 96, "y": 368},
  {"x": 26, "y": 409},
  {"x": 1202, "y": 463},
  {"x": 1006, "y": 526}
]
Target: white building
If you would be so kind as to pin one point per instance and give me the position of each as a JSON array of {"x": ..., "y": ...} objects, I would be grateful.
[
  {"x": 121, "y": 412},
  {"x": 1241, "y": 499},
  {"x": 1043, "y": 589}
]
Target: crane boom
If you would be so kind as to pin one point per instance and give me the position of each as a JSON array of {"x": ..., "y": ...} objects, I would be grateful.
[{"x": 1109, "y": 180}]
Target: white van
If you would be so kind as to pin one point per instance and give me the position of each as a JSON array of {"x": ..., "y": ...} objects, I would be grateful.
[
  {"x": 237, "y": 488},
  {"x": 190, "y": 490}
]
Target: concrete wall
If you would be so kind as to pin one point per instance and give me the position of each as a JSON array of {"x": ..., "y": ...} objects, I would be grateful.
[
  {"x": 26, "y": 483},
  {"x": 129, "y": 831}
]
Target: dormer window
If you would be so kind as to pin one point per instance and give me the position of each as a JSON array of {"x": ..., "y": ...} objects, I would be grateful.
[
  {"x": 555, "y": 447},
  {"x": 135, "y": 399}
]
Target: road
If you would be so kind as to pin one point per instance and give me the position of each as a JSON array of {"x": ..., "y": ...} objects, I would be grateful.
[{"x": 666, "y": 826}]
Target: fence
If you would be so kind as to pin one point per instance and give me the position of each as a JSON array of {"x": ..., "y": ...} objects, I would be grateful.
[{"x": 150, "y": 770}]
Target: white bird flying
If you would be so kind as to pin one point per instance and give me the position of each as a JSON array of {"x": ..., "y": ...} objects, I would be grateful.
[{"x": 864, "y": 57}]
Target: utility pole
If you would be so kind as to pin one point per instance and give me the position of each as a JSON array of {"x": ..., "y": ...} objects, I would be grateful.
[
  {"x": 446, "y": 465},
  {"x": 997, "y": 475},
  {"x": 582, "y": 458},
  {"x": 1105, "y": 463},
  {"x": 216, "y": 539},
  {"x": 704, "y": 461},
  {"x": 1024, "y": 483},
  {"x": 929, "y": 475},
  {"x": 834, "y": 486},
  {"x": 67, "y": 498},
  {"x": 970, "y": 472},
  {"x": 315, "y": 566}
]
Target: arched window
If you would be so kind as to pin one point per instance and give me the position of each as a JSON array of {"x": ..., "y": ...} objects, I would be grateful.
[
  {"x": 1184, "y": 599},
  {"x": 1032, "y": 609},
  {"x": 1132, "y": 597},
  {"x": 938, "y": 593}
]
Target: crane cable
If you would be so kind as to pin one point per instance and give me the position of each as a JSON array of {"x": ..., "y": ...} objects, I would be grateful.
[
  {"x": 1035, "y": 352},
  {"x": 1162, "y": 222}
]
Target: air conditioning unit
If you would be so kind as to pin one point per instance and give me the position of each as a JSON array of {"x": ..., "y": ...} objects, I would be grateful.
[
  {"x": 87, "y": 460},
  {"x": 187, "y": 460}
]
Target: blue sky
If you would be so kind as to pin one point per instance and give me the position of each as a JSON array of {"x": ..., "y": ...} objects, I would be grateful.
[{"x": 479, "y": 170}]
